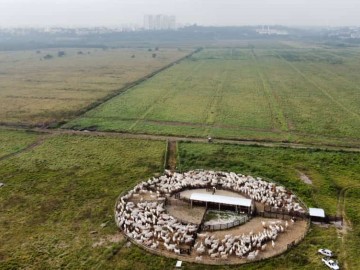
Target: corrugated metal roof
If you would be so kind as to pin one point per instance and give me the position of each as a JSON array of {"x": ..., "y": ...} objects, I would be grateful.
[
  {"x": 220, "y": 199},
  {"x": 316, "y": 212}
]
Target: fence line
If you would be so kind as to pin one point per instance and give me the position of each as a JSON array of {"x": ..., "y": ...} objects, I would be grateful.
[
  {"x": 282, "y": 215},
  {"x": 136, "y": 201},
  {"x": 225, "y": 226},
  {"x": 270, "y": 210},
  {"x": 171, "y": 201},
  {"x": 218, "y": 261},
  {"x": 334, "y": 219}
]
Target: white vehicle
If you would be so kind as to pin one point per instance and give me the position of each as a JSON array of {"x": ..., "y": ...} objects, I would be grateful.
[
  {"x": 326, "y": 252},
  {"x": 331, "y": 263}
]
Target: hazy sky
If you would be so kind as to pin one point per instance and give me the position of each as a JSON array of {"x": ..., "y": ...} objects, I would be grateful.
[{"x": 203, "y": 12}]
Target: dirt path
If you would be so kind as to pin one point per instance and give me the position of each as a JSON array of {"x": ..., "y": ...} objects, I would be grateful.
[
  {"x": 171, "y": 156},
  {"x": 142, "y": 136},
  {"x": 346, "y": 226},
  {"x": 27, "y": 148},
  {"x": 196, "y": 139},
  {"x": 278, "y": 118},
  {"x": 306, "y": 179},
  {"x": 215, "y": 102}
]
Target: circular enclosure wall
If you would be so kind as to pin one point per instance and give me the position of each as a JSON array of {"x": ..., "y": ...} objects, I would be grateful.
[{"x": 155, "y": 216}]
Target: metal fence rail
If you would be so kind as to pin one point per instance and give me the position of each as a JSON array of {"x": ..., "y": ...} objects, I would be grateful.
[
  {"x": 225, "y": 226},
  {"x": 172, "y": 201}
]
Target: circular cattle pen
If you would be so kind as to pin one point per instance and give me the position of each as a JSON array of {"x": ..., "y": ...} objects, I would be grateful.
[{"x": 211, "y": 217}]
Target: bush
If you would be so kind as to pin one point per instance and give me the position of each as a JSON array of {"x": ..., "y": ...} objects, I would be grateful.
[{"x": 48, "y": 56}]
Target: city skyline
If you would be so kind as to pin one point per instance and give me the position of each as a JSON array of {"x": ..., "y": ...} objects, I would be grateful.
[
  {"x": 201, "y": 12},
  {"x": 159, "y": 22}
]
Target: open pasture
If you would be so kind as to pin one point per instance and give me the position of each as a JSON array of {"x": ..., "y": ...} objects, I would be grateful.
[
  {"x": 58, "y": 200},
  {"x": 42, "y": 87},
  {"x": 352, "y": 237},
  {"x": 280, "y": 93}
]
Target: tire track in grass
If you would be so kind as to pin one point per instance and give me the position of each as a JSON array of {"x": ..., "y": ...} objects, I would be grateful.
[
  {"x": 38, "y": 142},
  {"x": 323, "y": 90},
  {"x": 277, "y": 115},
  {"x": 171, "y": 156},
  {"x": 334, "y": 74},
  {"x": 352, "y": 53},
  {"x": 162, "y": 98},
  {"x": 215, "y": 101}
]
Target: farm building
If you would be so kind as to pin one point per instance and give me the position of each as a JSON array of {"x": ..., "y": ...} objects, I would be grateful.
[
  {"x": 317, "y": 214},
  {"x": 223, "y": 202}
]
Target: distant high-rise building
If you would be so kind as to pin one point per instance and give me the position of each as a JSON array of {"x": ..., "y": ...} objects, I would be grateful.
[
  {"x": 147, "y": 22},
  {"x": 159, "y": 22}
]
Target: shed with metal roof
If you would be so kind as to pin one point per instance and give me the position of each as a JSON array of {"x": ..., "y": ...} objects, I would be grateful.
[{"x": 221, "y": 201}]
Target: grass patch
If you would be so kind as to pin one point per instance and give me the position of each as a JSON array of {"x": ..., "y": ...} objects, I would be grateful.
[
  {"x": 352, "y": 202},
  {"x": 14, "y": 141},
  {"x": 58, "y": 194}
]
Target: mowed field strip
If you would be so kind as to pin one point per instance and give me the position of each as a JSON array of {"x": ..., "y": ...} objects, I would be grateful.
[
  {"x": 39, "y": 87},
  {"x": 281, "y": 94}
]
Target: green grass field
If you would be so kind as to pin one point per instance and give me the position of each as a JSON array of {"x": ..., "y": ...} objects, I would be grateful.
[
  {"x": 59, "y": 193},
  {"x": 14, "y": 141},
  {"x": 35, "y": 90},
  {"x": 280, "y": 93},
  {"x": 352, "y": 202}
]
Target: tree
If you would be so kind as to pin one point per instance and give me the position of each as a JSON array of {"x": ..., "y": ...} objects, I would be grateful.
[{"x": 154, "y": 55}]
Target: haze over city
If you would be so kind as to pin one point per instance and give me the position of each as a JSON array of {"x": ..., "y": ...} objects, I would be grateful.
[{"x": 201, "y": 12}]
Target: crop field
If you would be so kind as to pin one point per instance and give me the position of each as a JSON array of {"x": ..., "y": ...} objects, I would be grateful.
[
  {"x": 280, "y": 94},
  {"x": 52, "y": 85}
]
